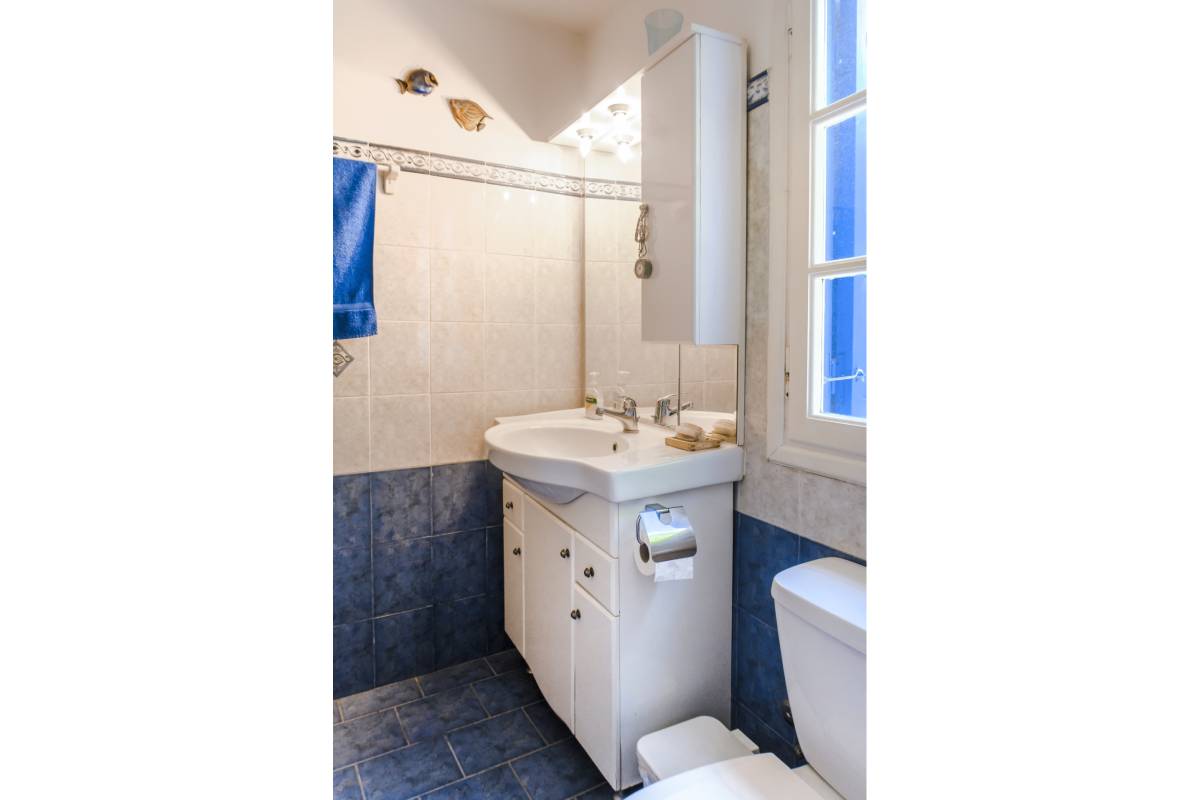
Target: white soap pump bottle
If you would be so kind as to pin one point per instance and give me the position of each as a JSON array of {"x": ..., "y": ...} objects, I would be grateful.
[{"x": 592, "y": 399}]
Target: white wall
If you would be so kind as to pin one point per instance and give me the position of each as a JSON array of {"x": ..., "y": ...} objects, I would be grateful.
[{"x": 522, "y": 73}]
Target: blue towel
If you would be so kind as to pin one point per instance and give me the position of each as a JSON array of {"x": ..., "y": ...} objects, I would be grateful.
[{"x": 353, "y": 242}]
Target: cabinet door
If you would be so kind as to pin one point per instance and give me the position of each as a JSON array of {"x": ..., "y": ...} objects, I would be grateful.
[
  {"x": 669, "y": 189},
  {"x": 514, "y": 585},
  {"x": 596, "y": 685},
  {"x": 549, "y": 578}
]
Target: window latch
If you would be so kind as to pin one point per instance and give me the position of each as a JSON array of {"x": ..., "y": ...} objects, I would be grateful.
[{"x": 858, "y": 375}]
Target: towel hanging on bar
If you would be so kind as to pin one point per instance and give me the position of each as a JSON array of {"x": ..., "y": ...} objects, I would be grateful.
[{"x": 353, "y": 245}]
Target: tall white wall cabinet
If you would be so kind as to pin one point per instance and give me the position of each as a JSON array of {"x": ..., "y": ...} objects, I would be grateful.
[
  {"x": 616, "y": 654},
  {"x": 694, "y": 183}
]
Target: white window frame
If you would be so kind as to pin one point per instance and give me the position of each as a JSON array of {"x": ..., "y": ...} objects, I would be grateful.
[{"x": 797, "y": 434}]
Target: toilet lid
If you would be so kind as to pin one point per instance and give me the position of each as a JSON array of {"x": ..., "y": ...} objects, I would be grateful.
[{"x": 761, "y": 777}]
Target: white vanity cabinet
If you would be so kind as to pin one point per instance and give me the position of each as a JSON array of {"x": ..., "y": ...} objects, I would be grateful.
[
  {"x": 694, "y": 183},
  {"x": 616, "y": 654}
]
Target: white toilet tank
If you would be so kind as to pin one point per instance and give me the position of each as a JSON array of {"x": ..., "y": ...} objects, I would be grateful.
[{"x": 821, "y": 607}]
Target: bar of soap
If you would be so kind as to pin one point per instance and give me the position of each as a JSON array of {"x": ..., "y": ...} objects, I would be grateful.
[
  {"x": 689, "y": 432},
  {"x": 725, "y": 427}
]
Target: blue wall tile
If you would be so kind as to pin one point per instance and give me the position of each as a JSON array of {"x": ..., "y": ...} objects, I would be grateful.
[
  {"x": 495, "y": 560},
  {"x": 403, "y": 645},
  {"x": 351, "y": 511},
  {"x": 494, "y": 478},
  {"x": 460, "y": 565},
  {"x": 460, "y": 496},
  {"x": 400, "y": 504},
  {"x": 461, "y": 631},
  {"x": 763, "y": 551},
  {"x": 351, "y": 584},
  {"x": 353, "y": 663},
  {"x": 403, "y": 576}
]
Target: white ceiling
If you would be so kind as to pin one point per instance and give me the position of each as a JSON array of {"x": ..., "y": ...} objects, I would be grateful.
[{"x": 578, "y": 16}]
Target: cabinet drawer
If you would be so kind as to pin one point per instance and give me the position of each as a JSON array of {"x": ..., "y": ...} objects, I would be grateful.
[
  {"x": 597, "y": 573},
  {"x": 514, "y": 586},
  {"x": 514, "y": 506}
]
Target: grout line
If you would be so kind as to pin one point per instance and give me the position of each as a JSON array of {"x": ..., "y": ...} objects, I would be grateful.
[
  {"x": 520, "y": 782},
  {"x": 462, "y": 772},
  {"x": 590, "y": 788},
  {"x": 403, "y": 730},
  {"x": 361, "y": 791}
]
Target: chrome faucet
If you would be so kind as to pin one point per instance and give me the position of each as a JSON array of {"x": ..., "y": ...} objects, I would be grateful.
[
  {"x": 627, "y": 414},
  {"x": 663, "y": 411}
]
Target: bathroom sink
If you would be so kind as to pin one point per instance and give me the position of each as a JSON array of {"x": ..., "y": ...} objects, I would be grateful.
[{"x": 563, "y": 453}]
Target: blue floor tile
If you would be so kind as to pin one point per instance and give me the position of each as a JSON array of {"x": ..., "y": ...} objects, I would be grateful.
[
  {"x": 345, "y": 785},
  {"x": 508, "y": 691},
  {"x": 401, "y": 504},
  {"x": 403, "y": 645},
  {"x": 365, "y": 737},
  {"x": 453, "y": 677},
  {"x": 507, "y": 661},
  {"x": 494, "y": 741},
  {"x": 435, "y": 715},
  {"x": 403, "y": 575},
  {"x": 547, "y": 723},
  {"x": 408, "y": 772},
  {"x": 602, "y": 792},
  {"x": 337, "y": 713},
  {"x": 393, "y": 694},
  {"x": 353, "y": 658},
  {"x": 495, "y": 784},
  {"x": 558, "y": 772}
]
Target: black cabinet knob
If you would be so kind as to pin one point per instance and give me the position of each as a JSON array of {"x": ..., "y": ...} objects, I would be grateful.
[
  {"x": 564, "y": 553},
  {"x": 509, "y": 505},
  {"x": 575, "y": 613},
  {"x": 516, "y": 551},
  {"x": 589, "y": 573}
]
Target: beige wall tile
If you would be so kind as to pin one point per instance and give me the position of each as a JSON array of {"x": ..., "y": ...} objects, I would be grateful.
[
  {"x": 401, "y": 283},
  {"x": 511, "y": 404},
  {"x": 511, "y": 352},
  {"x": 629, "y": 293},
  {"x": 600, "y": 290},
  {"x": 721, "y": 363},
  {"x": 599, "y": 220},
  {"x": 624, "y": 222},
  {"x": 458, "y": 210},
  {"x": 692, "y": 393},
  {"x": 511, "y": 288},
  {"x": 558, "y": 399},
  {"x": 559, "y": 356},
  {"x": 351, "y": 439},
  {"x": 559, "y": 292},
  {"x": 644, "y": 361},
  {"x": 353, "y": 382},
  {"x": 456, "y": 286},
  {"x": 458, "y": 423},
  {"x": 720, "y": 396},
  {"x": 601, "y": 348},
  {"x": 402, "y": 217},
  {"x": 399, "y": 431},
  {"x": 456, "y": 357},
  {"x": 509, "y": 221},
  {"x": 400, "y": 358},
  {"x": 558, "y": 226}
]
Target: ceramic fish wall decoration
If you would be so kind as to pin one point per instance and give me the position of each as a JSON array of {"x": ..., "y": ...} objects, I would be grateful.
[
  {"x": 419, "y": 81},
  {"x": 469, "y": 114}
]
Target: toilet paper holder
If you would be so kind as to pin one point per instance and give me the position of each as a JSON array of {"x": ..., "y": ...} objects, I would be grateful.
[{"x": 664, "y": 534}]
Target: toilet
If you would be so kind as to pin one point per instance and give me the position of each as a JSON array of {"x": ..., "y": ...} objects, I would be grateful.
[{"x": 821, "y": 609}]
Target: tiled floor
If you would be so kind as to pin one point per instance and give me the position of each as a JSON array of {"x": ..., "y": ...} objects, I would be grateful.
[{"x": 475, "y": 730}]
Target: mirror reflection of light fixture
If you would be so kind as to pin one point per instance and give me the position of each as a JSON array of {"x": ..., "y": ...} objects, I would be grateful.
[
  {"x": 585, "y": 141},
  {"x": 620, "y": 116},
  {"x": 624, "y": 148}
]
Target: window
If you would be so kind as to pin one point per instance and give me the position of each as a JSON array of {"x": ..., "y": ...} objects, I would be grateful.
[{"x": 824, "y": 352}]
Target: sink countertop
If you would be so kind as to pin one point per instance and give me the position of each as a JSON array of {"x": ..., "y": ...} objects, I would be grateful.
[{"x": 566, "y": 448}]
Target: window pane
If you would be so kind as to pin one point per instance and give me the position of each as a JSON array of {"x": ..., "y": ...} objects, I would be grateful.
[
  {"x": 845, "y": 64},
  {"x": 845, "y": 342},
  {"x": 846, "y": 188}
]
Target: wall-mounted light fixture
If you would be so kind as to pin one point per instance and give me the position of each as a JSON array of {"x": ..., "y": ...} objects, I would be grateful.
[
  {"x": 624, "y": 148},
  {"x": 620, "y": 117},
  {"x": 586, "y": 135}
]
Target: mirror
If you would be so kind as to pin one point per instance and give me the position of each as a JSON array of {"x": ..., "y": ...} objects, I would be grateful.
[{"x": 614, "y": 351}]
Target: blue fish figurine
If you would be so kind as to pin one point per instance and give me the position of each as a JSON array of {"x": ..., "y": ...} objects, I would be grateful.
[{"x": 419, "y": 81}]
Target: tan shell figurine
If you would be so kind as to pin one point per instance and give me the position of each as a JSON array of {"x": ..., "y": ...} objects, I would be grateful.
[{"x": 468, "y": 114}]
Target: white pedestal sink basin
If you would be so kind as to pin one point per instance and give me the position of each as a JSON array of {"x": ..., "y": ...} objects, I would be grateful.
[{"x": 569, "y": 454}]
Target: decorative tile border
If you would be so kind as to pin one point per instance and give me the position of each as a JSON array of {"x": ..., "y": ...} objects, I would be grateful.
[
  {"x": 468, "y": 169},
  {"x": 756, "y": 91}
]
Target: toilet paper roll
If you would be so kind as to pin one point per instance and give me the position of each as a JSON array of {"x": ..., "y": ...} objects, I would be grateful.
[{"x": 666, "y": 544}]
